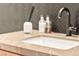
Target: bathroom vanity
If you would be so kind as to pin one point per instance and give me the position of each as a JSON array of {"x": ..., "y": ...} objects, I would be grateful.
[
  {"x": 8, "y": 53},
  {"x": 11, "y": 44}
]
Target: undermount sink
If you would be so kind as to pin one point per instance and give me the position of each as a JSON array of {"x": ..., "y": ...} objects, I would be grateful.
[{"x": 52, "y": 42}]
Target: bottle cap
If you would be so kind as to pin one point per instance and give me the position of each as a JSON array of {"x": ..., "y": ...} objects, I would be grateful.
[
  {"x": 47, "y": 17},
  {"x": 42, "y": 18}
]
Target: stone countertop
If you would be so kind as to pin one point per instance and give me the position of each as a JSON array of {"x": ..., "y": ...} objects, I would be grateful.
[{"x": 12, "y": 42}]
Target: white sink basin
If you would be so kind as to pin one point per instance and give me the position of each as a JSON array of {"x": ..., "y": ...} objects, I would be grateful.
[{"x": 52, "y": 42}]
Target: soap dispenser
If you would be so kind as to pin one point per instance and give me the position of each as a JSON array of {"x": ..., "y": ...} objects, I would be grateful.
[
  {"x": 42, "y": 24},
  {"x": 48, "y": 24}
]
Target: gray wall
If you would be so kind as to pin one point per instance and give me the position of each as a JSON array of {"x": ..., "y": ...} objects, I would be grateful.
[{"x": 12, "y": 16}]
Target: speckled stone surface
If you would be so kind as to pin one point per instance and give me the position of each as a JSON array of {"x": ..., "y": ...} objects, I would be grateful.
[{"x": 12, "y": 42}]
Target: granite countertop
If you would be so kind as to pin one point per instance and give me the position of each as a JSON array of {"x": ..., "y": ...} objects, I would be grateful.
[{"x": 12, "y": 42}]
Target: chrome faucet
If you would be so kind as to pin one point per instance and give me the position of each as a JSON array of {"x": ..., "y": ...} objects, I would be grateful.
[{"x": 70, "y": 28}]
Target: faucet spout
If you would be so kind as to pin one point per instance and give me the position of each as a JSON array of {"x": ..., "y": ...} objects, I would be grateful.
[
  {"x": 68, "y": 14},
  {"x": 69, "y": 27}
]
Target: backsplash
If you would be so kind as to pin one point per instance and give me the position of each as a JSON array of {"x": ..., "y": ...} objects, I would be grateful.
[
  {"x": 52, "y": 10},
  {"x": 12, "y": 16}
]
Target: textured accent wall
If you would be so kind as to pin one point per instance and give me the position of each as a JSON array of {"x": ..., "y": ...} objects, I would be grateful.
[{"x": 52, "y": 10}]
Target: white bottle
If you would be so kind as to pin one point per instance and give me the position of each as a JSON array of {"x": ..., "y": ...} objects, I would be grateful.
[
  {"x": 42, "y": 24},
  {"x": 27, "y": 27},
  {"x": 48, "y": 24}
]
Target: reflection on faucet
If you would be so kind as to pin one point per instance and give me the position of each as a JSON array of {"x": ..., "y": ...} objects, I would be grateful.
[{"x": 69, "y": 26}]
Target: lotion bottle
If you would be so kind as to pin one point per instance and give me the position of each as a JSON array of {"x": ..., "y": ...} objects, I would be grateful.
[
  {"x": 48, "y": 24},
  {"x": 42, "y": 24}
]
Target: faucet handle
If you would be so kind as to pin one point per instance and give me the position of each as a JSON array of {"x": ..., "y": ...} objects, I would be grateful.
[{"x": 72, "y": 28}]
